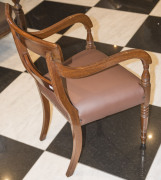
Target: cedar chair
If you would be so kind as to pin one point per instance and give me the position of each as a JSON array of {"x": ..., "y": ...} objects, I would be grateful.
[{"x": 86, "y": 87}]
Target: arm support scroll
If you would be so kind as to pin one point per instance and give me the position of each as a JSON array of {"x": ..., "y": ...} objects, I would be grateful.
[
  {"x": 84, "y": 71},
  {"x": 68, "y": 21}
]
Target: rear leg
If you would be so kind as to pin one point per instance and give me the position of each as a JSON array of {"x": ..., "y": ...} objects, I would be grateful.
[
  {"x": 46, "y": 116},
  {"x": 77, "y": 148}
]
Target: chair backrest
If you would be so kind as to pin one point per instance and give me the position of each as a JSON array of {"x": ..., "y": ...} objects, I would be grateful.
[
  {"x": 51, "y": 52},
  {"x": 25, "y": 41}
]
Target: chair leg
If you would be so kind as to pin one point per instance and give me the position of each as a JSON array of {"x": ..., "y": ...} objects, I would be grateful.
[
  {"x": 46, "y": 116},
  {"x": 144, "y": 124},
  {"x": 77, "y": 148}
]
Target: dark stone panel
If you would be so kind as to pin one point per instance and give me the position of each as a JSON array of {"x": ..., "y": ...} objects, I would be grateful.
[
  {"x": 41, "y": 65},
  {"x": 48, "y": 13},
  {"x": 112, "y": 144},
  {"x": 139, "y": 6},
  {"x": 7, "y": 76},
  {"x": 16, "y": 158},
  {"x": 71, "y": 46},
  {"x": 148, "y": 35}
]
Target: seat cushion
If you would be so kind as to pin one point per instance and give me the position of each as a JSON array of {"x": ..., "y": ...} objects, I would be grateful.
[{"x": 110, "y": 91}]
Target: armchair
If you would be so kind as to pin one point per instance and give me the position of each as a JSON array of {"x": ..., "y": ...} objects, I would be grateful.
[{"x": 86, "y": 87}]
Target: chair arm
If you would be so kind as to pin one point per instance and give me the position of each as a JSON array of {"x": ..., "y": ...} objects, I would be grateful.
[
  {"x": 84, "y": 71},
  {"x": 68, "y": 21}
]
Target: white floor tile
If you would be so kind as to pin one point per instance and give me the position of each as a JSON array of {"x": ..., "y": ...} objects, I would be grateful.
[
  {"x": 157, "y": 10},
  {"x": 155, "y": 170},
  {"x": 9, "y": 57},
  {"x": 78, "y": 2},
  {"x": 7, "y": 1},
  {"x": 50, "y": 166},
  {"x": 21, "y": 113},
  {"x": 110, "y": 26},
  {"x": 53, "y": 38}
]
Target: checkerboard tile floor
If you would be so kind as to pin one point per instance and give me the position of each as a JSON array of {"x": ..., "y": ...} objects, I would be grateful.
[{"x": 111, "y": 150}]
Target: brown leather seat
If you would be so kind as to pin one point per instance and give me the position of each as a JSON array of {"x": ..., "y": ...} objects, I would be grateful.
[
  {"x": 105, "y": 93},
  {"x": 98, "y": 96}
]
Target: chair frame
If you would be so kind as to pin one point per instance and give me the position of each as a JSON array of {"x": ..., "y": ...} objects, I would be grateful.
[{"x": 54, "y": 58}]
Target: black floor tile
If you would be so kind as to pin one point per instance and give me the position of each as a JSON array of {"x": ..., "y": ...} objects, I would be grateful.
[
  {"x": 41, "y": 65},
  {"x": 107, "y": 48},
  {"x": 71, "y": 46},
  {"x": 148, "y": 36},
  {"x": 7, "y": 76},
  {"x": 48, "y": 13},
  {"x": 139, "y": 6},
  {"x": 16, "y": 158},
  {"x": 113, "y": 144}
]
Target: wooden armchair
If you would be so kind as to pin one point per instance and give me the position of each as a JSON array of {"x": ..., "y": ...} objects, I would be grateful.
[{"x": 95, "y": 85}]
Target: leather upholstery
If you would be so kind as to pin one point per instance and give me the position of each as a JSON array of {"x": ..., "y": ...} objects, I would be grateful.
[{"x": 105, "y": 93}]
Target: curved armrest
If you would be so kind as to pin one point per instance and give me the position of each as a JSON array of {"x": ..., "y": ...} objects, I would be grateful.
[
  {"x": 84, "y": 71},
  {"x": 68, "y": 21}
]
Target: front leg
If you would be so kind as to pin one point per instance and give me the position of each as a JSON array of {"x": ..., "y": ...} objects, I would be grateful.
[
  {"x": 145, "y": 81},
  {"x": 144, "y": 124}
]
